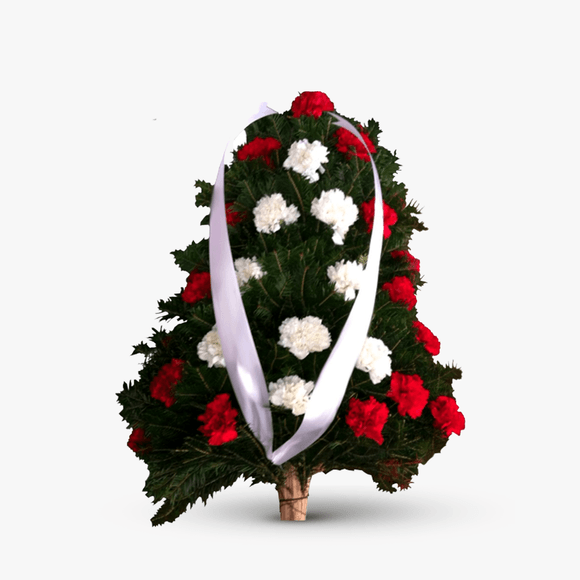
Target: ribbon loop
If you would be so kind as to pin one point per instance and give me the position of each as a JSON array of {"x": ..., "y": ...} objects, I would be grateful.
[{"x": 242, "y": 361}]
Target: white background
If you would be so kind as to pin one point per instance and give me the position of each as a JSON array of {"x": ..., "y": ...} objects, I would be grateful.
[{"x": 109, "y": 113}]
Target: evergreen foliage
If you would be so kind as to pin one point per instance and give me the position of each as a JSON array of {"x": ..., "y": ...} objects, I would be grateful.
[{"x": 183, "y": 466}]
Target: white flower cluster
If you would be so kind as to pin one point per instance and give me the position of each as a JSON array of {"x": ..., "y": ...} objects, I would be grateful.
[
  {"x": 292, "y": 393},
  {"x": 337, "y": 210},
  {"x": 271, "y": 211},
  {"x": 307, "y": 158},
  {"x": 246, "y": 269},
  {"x": 346, "y": 277},
  {"x": 210, "y": 349},
  {"x": 304, "y": 335},
  {"x": 375, "y": 359}
]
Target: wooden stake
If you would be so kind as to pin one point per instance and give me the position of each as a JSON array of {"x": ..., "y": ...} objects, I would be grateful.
[{"x": 293, "y": 498}]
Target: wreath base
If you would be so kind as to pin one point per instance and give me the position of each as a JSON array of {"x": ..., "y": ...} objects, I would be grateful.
[{"x": 293, "y": 497}]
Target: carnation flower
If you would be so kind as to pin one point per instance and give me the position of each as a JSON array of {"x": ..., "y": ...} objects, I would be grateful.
[
  {"x": 219, "y": 420},
  {"x": 430, "y": 341},
  {"x": 337, "y": 210},
  {"x": 367, "y": 418},
  {"x": 210, "y": 349},
  {"x": 350, "y": 144},
  {"x": 389, "y": 216},
  {"x": 409, "y": 393},
  {"x": 198, "y": 287},
  {"x": 414, "y": 264},
  {"x": 271, "y": 211},
  {"x": 301, "y": 336},
  {"x": 346, "y": 277},
  {"x": 447, "y": 416},
  {"x": 307, "y": 158},
  {"x": 259, "y": 147},
  {"x": 138, "y": 442},
  {"x": 401, "y": 289},
  {"x": 246, "y": 269},
  {"x": 375, "y": 359},
  {"x": 163, "y": 384},
  {"x": 291, "y": 393},
  {"x": 233, "y": 217},
  {"x": 312, "y": 104}
]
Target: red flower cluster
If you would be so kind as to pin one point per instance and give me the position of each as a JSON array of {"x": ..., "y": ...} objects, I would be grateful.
[
  {"x": 409, "y": 393},
  {"x": 138, "y": 442},
  {"x": 401, "y": 290},
  {"x": 389, "y": 216},
  {"x": 219, "y": 420},
  {"x": 414, "y": 264},
  {"x": 259, "y": 147},
  {"x": 350, "y": 145},
  {"x": 447, "y": 415},
  {"x": 367, "y": 418},
  {"x": 198, "y": 287},
  {"x": 233, "y": 217},
  {"x": 424, "y": 335},
  {"x": 311, "y": 103},
  {"x": 163, "y": 384}
]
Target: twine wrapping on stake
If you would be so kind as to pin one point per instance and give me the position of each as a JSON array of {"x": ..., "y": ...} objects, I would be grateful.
[{"x": 239, "y": 350}]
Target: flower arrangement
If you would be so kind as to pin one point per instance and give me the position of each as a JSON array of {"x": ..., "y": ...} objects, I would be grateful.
[{"x": 300, "y": 212}]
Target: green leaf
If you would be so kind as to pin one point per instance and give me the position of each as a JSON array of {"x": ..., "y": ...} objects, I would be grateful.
[
  {"x": 144, "y": 349},
  {"x": 169, "y": 512}
]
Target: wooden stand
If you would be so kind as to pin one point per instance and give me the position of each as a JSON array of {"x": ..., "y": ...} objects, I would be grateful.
[{"x": 293, "y": 498}]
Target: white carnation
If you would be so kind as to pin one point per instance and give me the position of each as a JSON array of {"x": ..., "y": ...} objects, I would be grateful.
[
  {"x": 337, "y": 210},
  {"x": 292, "y": 393},
  {"x": 346, "y": 277},
  {"x": 271, "y": 211},
  {"x": 375, "y": 359},
  {"x": 246, "y": 269},
  {"x": 307, "y": 158},
  {"x": 210, "y": 349},
  {"x": 303, "y": 336}
]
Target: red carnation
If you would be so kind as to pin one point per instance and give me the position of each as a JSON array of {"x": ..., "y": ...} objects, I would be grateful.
[
  {"x": 163, "y": 384},
  {"x": 138, "y": 442},
  {"x": 409, "y": 393},
  {"x": 198, "y": 287},
  {"x": 389, "y": 216},
  {"x": 350, "y": 144},
  {"x": 447, "y": 415},
  {"x": 219, "y": 420},
  {"x": 424, "y": 335},
  {"x": 401, "y": 290},
  {"x": 312, "y": 104},
  {"x": 414, "y": 264},
  {"x": 367, "y": 418},
  {"x": 259, "y": 147},
  {"x": 233, "y": 217}
]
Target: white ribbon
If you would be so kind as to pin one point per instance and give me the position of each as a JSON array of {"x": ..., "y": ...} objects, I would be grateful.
[
  {"x": 241, "y": 358},
  {"x": 239, "y": 350}
]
